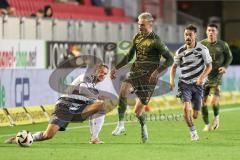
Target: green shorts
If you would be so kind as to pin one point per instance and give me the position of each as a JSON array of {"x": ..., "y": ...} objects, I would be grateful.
[
  {"x": 214, "y": 90},
  {"x": 139, "y": 79}
]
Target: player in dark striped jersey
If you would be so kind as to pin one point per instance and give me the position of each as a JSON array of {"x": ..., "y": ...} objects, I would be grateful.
[
  {"x": 79, "y": 103},
  {"x": 195, "y": 64},
  {"x": 222, "y": 57}
]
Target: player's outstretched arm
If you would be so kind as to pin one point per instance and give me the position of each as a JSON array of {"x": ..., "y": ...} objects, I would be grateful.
[
  {"x": 227, "y": 59},
  {"x": 172, "y": 76}
]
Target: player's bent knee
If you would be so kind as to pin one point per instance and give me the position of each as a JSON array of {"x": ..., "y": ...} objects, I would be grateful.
[
  {"x": 137, "y": 113},
  {"x": 204, "y": 102},
  {"x": 187, "y": 108},
  {"x": 48, "y": 135},
  {"x": 215, "y": 102},
  {"x": 195, "y": 116},
  {"x": 101, "y": 105}
]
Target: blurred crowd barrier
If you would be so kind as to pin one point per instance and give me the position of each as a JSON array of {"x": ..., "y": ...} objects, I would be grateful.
[{"x": 26, "y": 28}]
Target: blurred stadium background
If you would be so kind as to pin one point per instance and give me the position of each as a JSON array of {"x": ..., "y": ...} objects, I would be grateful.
[{"x": 32, "y": 46}]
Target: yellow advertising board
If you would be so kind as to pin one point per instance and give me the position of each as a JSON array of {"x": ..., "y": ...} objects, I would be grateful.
[
  {"x": 4, "y": 121},
  {"x": 37, "y": 114},
  {"x": 48, "y": 109},
  {"x": 19, "y": 116}
]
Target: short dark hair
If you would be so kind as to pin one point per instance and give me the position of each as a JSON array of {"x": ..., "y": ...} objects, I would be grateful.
[
  {"x": 191, "y": 27},
  {"x": 45, "y": 9},
  {"x": 212, "y": 25}
]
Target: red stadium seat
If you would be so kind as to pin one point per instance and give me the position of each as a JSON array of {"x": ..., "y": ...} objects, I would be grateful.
[
  {"x": 118, "y": 12},
  {"x": 62, "y": 15},
  {"x": 63, "y": 10},
  {"x": 87, "y": 3}
]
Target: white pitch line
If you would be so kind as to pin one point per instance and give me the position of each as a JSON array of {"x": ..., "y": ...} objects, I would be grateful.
[
  {"x": 70, "y": 128},
  {"x": 105, "y": 124},
  {"x": 114, "y": 123},
  {"x": 229, "y": 109}
]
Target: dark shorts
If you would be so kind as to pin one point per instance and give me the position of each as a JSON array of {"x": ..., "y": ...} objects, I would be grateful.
[
  {"x": 191, "y": 93},
  {"x": 208, "y": 90},
  {"x": 62, "y": 115},
  {"x": 139, "y": 79}
]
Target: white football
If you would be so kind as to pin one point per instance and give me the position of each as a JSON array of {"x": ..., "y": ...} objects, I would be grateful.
[{"x": 24, "y": 138}]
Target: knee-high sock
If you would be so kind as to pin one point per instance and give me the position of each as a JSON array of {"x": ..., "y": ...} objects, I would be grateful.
[
  {"x": 38, "y": 136},
  {"x": 122, "y": 107},
  {"x": 96, "y": 123},
  {"x": 216, "y": 110},
  {"x": 205, "y": 114},
  {"x": 91, "y": 121}
]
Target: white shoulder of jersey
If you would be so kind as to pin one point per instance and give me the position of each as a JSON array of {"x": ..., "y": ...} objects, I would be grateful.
[
  {"x": 180, "y": 48},
  {"x": 205, "y": 53},
  {"x": 204, "y": 48},
  {"x": 200, "y": 45},
  {"x": 107, "y": 86}
]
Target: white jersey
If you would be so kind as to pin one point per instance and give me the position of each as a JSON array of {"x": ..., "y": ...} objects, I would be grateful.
[
  {"x": 83, "y": 88},
  {"x": 192, "y": 62}
]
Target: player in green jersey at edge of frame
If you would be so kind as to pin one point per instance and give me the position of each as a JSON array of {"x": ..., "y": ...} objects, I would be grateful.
[{"x": 221, "y": 58}]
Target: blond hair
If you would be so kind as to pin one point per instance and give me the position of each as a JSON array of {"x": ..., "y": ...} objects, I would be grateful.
[
  {"x": 100, "y": 66},
  {"x": 146, "y": 16}
]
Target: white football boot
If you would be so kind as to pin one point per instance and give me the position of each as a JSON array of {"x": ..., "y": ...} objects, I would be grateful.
[
  {"x": 120, "y": 129},
  {"x": 215, "y": 123},
  {"x": 207, "y": 128},
  {"x": 194, "y": 135}
]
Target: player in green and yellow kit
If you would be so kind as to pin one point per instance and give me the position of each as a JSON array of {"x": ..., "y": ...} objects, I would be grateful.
[
  {"x": 221, "y": 58},
  {"x": 144, "y": 73}
]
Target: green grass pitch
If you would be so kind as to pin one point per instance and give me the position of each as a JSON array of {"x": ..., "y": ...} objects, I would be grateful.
[{"x": 168, "y": 140}]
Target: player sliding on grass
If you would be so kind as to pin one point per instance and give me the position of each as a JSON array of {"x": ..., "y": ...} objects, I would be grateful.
[
  {"x": 195, "y": 64},
  {"x": 81, "y": 102},
  {"x": 144, "y": 72},
  {"x": 222, "y": 57}
]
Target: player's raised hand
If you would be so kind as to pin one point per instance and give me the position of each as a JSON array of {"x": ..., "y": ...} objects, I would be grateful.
[
  {"x": 222, "y": 70},
  {"x": 200, "y": 81},
  {"x": 113, "y": 73}
]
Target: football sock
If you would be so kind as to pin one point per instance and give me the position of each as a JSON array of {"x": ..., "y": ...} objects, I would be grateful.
[
  {"x": 122, "y": 107},
  {"x": 97, "y": 124},
  {"x": 91, "y": 121},
  {"x": 192, "y": 129},
  {"x": 38, "y": 136},
  {"x": 141, "y": 120},
  {"x": 121, "y": 124},
  {"x": 216, "y": 110},
  {"x": 205, "y": 114}
]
